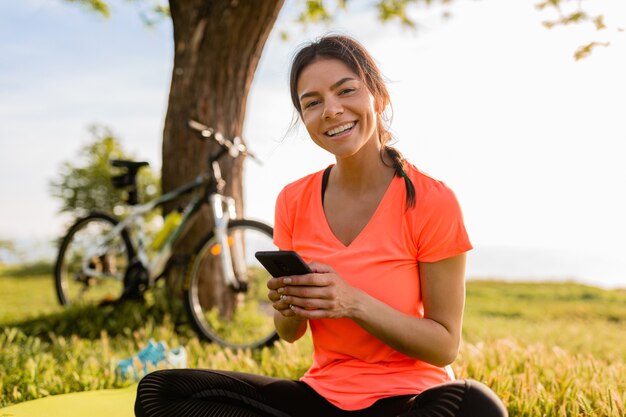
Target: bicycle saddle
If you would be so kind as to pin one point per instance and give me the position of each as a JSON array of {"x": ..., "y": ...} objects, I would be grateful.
[
  {"x": 128, "y": 179},
  {"x": 131, "y": 165}
]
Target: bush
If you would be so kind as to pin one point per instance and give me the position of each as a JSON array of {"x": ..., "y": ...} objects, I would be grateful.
[{"x": 31, "y": 269}]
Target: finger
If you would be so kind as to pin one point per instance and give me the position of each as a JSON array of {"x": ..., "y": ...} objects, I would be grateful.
[
  {"x": 310, "y": 313},
  {"x": 283, "y": 308},
  {"x": 287, "y": 312},
  {"x": 306, "y": 303},
  {"x": 316, "y": 280},
  {"x": 273, "y": 295},
  {"x": 281, "y": 304},
  {"x": 274, "y": 283},
  {"x": 306, "y": 291},
  {"x": 320, "y": 268}
]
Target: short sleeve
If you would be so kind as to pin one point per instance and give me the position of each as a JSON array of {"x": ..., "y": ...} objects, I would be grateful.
[
  {"x": 283, "y": 224},
  {"x": 441, "y": 232}
]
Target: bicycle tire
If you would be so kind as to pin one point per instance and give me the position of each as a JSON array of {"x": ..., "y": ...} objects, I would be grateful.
[
  {"x": 249, "y": 321},
  {"x": 104, "y": 282}
]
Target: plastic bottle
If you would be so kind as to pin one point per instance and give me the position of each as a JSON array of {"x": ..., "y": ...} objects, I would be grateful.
[{"x": 172, "y": 220}]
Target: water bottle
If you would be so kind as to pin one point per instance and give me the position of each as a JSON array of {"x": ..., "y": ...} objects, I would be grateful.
[{"x": 172, "y": 220}]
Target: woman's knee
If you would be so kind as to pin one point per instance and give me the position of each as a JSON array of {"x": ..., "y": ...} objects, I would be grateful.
[
  {"x": 167, "y": 388},
  {"x": 150, "y": 391},
  {"x": 459, "y": 398},
  {"x": 186, "y": 383},
  {"x": 480, "y": 398},
  {"x": 156, "y": 380}
]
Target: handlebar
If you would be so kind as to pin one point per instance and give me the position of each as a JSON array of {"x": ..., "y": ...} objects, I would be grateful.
[{"x": 235, "y": 147}]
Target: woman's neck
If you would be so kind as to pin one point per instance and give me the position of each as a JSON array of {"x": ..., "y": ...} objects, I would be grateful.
[{"x": 363, "y": 172}]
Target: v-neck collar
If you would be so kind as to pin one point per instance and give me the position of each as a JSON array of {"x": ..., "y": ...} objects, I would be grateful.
[{"x": 381, "y": 204}]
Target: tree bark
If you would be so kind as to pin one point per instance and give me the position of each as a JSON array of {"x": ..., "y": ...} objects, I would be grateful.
[{"x": 218, "y": 44}]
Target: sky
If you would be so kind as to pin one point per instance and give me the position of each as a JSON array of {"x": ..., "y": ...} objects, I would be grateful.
[{"x": 488, "y": 100}]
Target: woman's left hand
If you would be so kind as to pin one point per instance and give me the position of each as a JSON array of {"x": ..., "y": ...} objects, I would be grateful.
[{"x": 320, "y": 294}]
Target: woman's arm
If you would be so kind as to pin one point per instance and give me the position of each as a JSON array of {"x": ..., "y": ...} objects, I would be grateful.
[
  {"x": 288, "y": 326},
  {"x": 434, "y": 339}
]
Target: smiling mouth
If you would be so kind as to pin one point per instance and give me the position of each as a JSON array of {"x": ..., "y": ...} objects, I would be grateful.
[{"x": 340, "y": 129}]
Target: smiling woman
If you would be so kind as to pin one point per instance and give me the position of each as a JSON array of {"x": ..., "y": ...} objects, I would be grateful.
[
  {"x": 386, "y": 246},
  {"x": 339, "y": 115},
  {"x": 340, "y": 94}
]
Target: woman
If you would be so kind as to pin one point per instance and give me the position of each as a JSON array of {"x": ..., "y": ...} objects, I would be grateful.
[{"x": 386, "y": 244}]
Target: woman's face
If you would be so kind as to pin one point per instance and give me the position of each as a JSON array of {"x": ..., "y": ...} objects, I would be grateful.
[{"x": 337, "y": 109}]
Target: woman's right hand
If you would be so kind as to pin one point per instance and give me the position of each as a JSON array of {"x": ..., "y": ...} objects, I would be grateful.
[
  {"x": 279, "y": 305},
  {"x": 288, "y": 326}
]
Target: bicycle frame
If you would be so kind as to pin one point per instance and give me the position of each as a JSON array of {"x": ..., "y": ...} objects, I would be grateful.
[
  {"x": 223, "y": 209},
  {"x": 134, "y": 220},
  {"x": 105, "y": 260}
]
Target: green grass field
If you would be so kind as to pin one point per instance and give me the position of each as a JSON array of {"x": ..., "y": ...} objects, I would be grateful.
[{"x": 547, "y": 349}]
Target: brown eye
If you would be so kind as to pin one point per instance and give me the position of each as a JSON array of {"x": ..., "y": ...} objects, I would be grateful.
[{"x": 311, "y": 104}]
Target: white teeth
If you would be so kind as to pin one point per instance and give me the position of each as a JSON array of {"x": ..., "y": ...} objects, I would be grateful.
[{"x": 340, "y": 129}]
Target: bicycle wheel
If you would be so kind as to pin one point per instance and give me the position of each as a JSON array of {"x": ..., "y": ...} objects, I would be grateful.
[
  {"x": 91, "y": 263},
  {"x": 236, "y": 318}
]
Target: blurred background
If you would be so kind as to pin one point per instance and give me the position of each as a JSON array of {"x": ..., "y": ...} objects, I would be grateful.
[{"x": 485, "y": 98}]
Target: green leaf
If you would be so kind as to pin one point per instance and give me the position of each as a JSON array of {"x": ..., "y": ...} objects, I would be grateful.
[
  {"x": 284, "y": 35},
  {"x": 552, "y": 3},
  {"x": 84, "y": 182},
  {"x": 394, "y": 9},
  {"x": 585, "y": 50},
  {"x": 575, "y": 17},
  {"x": 315, "y": 11},
  {"x": 599, "y": 22},
  {"x": 99, "y": 6}
]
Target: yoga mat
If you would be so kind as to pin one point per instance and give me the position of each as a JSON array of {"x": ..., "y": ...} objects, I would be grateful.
[{"x": 102, "y": 403}]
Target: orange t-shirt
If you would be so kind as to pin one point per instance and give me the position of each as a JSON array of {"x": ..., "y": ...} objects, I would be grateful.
[{"x": 351, "y": 368}]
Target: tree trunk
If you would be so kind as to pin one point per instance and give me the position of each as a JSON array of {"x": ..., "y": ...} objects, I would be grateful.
[{"x": 218, "y": 45}]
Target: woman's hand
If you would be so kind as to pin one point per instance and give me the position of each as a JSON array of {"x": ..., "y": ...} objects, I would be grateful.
[
  {"x": 320, "y": 294},
  {"x": 288, "y": 325},
  {"x": 324, "y": 294},
  {"x": 275, "y": 286}
]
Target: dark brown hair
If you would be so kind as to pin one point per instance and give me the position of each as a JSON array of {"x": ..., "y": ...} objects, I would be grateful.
[{"x": 355, "y": 57}]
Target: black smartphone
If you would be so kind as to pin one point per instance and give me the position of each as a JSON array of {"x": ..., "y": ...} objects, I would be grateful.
[{"x": 282, "y": 263}]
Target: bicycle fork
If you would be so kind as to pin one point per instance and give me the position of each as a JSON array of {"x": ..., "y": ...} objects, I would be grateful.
[{"x": 232, "y": 262}]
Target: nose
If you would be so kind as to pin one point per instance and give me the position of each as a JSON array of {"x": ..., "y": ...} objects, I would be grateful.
[{"x": 332, "y": 108}]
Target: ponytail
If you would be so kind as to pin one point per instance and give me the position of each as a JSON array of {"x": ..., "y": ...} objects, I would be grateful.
[{"x": 399, "y": 166}]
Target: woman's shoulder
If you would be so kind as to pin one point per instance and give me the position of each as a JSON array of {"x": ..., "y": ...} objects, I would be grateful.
[
  {"x": 306, "y": 184},
  {"x": 430, "y": 191},
  {"x": 424, "y": 181}
]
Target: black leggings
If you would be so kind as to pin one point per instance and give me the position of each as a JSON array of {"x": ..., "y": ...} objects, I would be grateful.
[{"x": 195, "y": 392}]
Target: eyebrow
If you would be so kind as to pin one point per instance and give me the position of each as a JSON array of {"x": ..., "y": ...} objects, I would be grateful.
[{"x": 332, "y": 87}]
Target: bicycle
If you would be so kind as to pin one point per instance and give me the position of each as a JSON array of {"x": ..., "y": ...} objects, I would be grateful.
[{"x": 104, "y": 260}]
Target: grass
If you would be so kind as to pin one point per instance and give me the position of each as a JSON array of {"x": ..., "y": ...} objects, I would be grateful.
[
  {"x": 547, "y": 349},
  {"x": 577, "y": 318},
  {"x": 25, "y": 295}
]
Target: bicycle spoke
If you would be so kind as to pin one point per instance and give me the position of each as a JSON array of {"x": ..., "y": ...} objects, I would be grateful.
[
  {"x": 91, "y": 262},
  {"x": 240, "y": 317}
]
